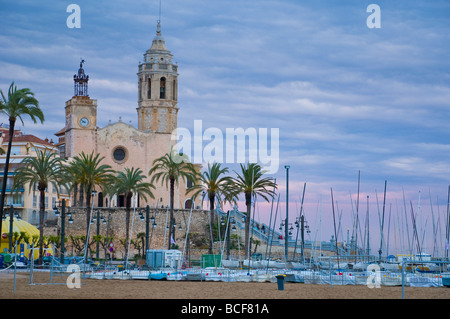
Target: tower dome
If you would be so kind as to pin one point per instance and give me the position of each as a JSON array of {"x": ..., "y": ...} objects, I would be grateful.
[{"x": 158, "y": 44}]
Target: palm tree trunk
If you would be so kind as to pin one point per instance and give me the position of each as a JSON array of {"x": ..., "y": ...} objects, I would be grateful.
[
  {"x": 211, "y": 222},
  {"x": 127, "y": 223},
  {"x": 12, "y": 122},
  {"x": 172, "y": 194},
  {"x": 41, "y": 223},
  {"x": 81, "y": 195},
  {"x": 88, "y": 209},
  {"x": 75, "y": 194},
  {"x": 248, "y": 203}
]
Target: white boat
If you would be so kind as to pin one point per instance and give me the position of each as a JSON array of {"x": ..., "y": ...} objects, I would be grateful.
[
  {"x": 273, "y": 264},
  {"x": 391, "y": 279},
  {"x": 390, "y": 266},
  {"x": 427, "y": 267},
  {"x": 360, "y": 266},
  {"x": 230, "y": 263},
  {"x": 325, "y": 265},
  {"x": 340, "y": 265},
  {"x": 296, "y": 265},
  {"x": 252, "y": 263}
]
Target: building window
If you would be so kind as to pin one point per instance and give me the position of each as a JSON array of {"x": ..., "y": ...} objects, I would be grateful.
[
  {"x": 34, "y": 201},
  {"x": 140, "y": 89},
  {"x": 162, "y": 88},
  {"x": 189, "y": 183},
  {"x": 174, "y": 90},
  {"x": 119, "y": 154},
  {"x": 15, "y": 150},
  {"x": 149, "y": 89},
  {"x": 188, "y": 204}
]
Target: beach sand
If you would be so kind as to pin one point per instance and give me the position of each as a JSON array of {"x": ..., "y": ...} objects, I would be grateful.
[
  {"x": 190, "y": 290},
  {"x": 181, "y": 299}
]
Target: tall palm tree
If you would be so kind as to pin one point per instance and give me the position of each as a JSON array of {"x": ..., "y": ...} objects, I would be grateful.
[
  {"x": 17, "y": 104},
  {"x": 213, "y": 182},
  {"x": 40, "y": 171},
  {"x": 72, "y": 179},
  {"x": 169, "y": 169},
  {"x": 90, "y": 172},
  {"x": 251, "y": 182},
  {"x": 131, "y": 182}
]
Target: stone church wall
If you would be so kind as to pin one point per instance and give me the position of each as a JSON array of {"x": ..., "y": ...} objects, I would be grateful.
[{"x": 159, "y": 240}]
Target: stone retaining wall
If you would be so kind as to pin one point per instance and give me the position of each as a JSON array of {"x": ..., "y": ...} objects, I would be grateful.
[{"x": 159, "y": 239}]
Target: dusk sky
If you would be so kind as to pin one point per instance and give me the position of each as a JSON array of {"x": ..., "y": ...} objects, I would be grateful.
[{"x": 346, "y": 98}]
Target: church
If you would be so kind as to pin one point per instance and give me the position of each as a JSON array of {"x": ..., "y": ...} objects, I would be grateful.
[{"x": 121, "y": 144}]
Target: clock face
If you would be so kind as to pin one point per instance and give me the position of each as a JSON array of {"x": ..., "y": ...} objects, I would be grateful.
[{"x": 84, "y": 122}]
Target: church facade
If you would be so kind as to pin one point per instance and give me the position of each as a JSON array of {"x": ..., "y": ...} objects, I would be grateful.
[{"x": 123, "y": 145}]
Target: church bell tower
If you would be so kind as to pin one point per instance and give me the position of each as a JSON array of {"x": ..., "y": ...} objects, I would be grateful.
[{"x": 157, "y": 88}]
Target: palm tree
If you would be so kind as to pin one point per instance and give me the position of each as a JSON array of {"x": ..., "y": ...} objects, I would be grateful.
[
  {"x": 213, "y": 183},
  {"x": 72, "y": 178},
  {"x": 40, "y": 171},
  {"x": 252, "y": 183},
  {"x": 90, "y": 172},
  {"x": 170, "y": 170},
  {"x": 19, "y": 103},
  {"x": 131, "y": 182}
]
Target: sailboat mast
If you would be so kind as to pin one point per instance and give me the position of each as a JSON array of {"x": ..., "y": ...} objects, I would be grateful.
[
  {"x": 447, "y": 230},
  {"x": 357, "y": 215},
  {"x": 382, "y": 223},
  {"x": 334, "y": 221},
  {"x": 406, "y": 223}
]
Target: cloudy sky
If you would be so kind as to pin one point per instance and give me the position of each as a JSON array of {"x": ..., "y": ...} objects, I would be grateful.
[{"x": 346, "y": 98}]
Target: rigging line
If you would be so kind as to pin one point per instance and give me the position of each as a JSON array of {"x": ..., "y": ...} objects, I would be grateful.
[
  {"x": 382, "y": 222},
  {"x": 273, "y": 232},
  {"x": 334, "y": 220},
  {"x": 447, "y": 224},
  {"x": 357, "y": 211},
  {"x": 270, "y": 220},
  {"x": 434, "y": 226},
  {"x": 298, "y": 228},
  {"x": 415, "y": 235},
  {"x": 406, "y": 223}
]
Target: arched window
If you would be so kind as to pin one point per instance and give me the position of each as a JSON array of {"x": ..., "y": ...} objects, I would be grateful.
[
  {"x": 149, "y": 89},
  {"x": 162, "y": 88},
  {"x": 100, "y": 200},
  {"x": 140, "y": 89},
  {"x": 174, "y": 90},
  {"x": 188, "y": 204}
]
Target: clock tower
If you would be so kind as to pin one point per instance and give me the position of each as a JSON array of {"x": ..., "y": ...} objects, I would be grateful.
[{"x": 81, "y": 117}]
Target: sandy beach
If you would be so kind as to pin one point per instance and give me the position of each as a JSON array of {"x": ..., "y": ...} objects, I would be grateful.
[
  {"x": 192, "y": 291},
  {"x": 181, "y": 299}
]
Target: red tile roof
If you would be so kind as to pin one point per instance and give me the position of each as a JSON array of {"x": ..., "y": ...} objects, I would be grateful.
[{"x": 20, "y": 137}]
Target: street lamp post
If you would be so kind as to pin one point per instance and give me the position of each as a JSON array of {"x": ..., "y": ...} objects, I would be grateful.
[
  {"x": 11, "y": 221},
  {"x": 286, "y": 234},
  {"x": 63, "y": 226},
  {"x": 94, "y": 193},
  {"x": 97, "y": 255},
  {"x": 147, "y": 229},
  {"x": 63, "y": 229}
]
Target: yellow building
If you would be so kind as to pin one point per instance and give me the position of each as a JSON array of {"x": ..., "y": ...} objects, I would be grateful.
[{"x": 26, "y": 202}]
